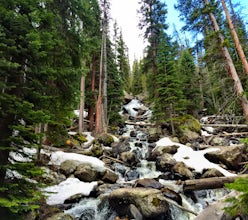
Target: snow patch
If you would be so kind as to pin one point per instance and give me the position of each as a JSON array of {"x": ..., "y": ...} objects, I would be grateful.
[
  {"x": 57, "y": 194},
  {"x": 59, "y": 157},
  {"x": 193, "y": 159}
]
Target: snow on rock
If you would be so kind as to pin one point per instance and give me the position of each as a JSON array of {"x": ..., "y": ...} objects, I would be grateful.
[
  {"x": 193, "y": 159},
  {"x": 57, "y": 194},
  {"x": 59, "y": 157}
]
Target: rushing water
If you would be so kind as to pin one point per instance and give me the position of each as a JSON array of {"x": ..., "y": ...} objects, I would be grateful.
[{"x": 93, "y": 208}]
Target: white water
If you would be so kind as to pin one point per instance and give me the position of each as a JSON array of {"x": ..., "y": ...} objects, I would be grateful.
[{"x": 88, "y": 208}]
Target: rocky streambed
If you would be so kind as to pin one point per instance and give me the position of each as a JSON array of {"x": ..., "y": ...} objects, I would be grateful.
[{"x": 140, "y": 173}]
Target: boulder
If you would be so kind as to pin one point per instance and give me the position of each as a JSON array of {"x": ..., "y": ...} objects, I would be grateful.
[
  {"x": 183, "y": 170},
  {"x": 187, "y": 128},
  {"x": 211, "y": 173},
  {"x": 105, "y": 139},
  {"x": 230, "y": 156},
  {"x": 150, "y": 203},
  {"x": 148, "y": 183},
  {"x": 86, "y": 173},
  {"x": 160, "y": 150},
  {"x": 129, "y": 158},
  {"x": 110, "y": 176},
  {"x": 68, "y": 167},
  {"x": 165, "y": 162}
]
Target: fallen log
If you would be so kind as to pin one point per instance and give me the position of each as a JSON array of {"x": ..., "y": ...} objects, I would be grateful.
[
  {"x": 139, "y": 123},
  {"x": 209, "y": 183},
  {"x": 226, "y": 125}
]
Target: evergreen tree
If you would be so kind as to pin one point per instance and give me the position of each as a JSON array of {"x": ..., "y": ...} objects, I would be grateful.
[
  {"x": 137, "y": 87},
  {"x": 152, "y": 21},
  {"x": 123, "y": 62},
  {"x": 169, "y": 100},
  {"x": 189, "y": 82},
  {"x": 40, "y": 70}
]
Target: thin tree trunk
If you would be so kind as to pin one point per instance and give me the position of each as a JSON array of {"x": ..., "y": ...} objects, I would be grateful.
[
  {"x": 99, "y": 115},
  {"x": 105, "y": 77},
  {"x": 91, "y": 107},
  {"x": 231, "y": 68},
  {"x": 81, "y": 111},
  {"x": 235, "y": 38}
]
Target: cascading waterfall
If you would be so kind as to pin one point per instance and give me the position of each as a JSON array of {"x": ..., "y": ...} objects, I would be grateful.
[{"x": 92, "y": 208}]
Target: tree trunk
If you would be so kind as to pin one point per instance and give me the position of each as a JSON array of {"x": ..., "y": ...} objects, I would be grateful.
[
  {"x": 105, "y": 85},
  {"x": 208, "y": 183},
  {"x": 81, "y": 111},
  {"x": 91, "y": 107},
  {"x": 230, "y": 66},
  {"x": 99, "y": 107},
  {"x": 235, "y": 38}
]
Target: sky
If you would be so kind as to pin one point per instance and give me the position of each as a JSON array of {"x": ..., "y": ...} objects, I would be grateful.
[{"x": 125, "y": 13}]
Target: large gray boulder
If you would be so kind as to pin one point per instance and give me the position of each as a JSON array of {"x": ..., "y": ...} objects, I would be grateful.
[
  {"x": 231, "y": 156},
  {"x": 86, "y": 173}
]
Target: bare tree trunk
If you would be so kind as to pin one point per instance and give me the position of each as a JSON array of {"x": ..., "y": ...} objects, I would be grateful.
[
  {"x": 81, "y": 111},
  {"x": 105, "y": 77},
  {"x": 235, "y": 38},
  {"x": 230, "y": 66},
  {"x": 91, "y": 107},
  {"x": 99, "y": 126}
]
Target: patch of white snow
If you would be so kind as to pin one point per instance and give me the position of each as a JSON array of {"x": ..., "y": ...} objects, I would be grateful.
[{"x": 57, "y": 194}]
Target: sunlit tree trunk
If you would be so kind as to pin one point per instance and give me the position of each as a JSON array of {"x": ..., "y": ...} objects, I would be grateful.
[
  {"x": 235, "y": 38},
  {"x": 231, "y": 68}
]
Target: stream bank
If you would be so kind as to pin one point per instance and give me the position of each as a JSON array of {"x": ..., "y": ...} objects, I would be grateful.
[{"x": 140, "y": 174}]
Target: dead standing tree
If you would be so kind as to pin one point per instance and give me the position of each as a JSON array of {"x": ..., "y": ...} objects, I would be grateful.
[
  {"x": 235, "y": 38},
  {"x": 229, "y": 64}
]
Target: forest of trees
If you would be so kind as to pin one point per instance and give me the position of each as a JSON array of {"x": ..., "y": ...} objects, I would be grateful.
[{"x": 59, "y": 55}]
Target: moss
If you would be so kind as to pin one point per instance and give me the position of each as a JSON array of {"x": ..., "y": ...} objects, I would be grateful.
[
  {"x": 156, "y": 201},
  {"x": 186, "y": 125},
  {"x": 105, "y": 139}
]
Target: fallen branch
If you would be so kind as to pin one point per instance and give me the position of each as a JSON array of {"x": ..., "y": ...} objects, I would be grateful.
[
  {"x": 115, "y": 160},
  {"x": 226, "y": 125}
]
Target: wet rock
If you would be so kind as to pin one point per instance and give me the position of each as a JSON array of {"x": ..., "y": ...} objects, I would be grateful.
[
  {"x": 183, "y": 170},
  {"x": 165, "y": 162},
  {"x": 231, "y": 156},
  {"x": 172, "y": 195},
  {"x": 68, "y": 167},
  {"x": 133, "y": 133},
  {"x": 109, "y": 176},
  {"x": 129, "y": 158},
  {"x": 149, "y": 202},
  {"x": 60, "y": 216},
  {"x": 131, "y": 175},
  {"x": 120, "y": 147},
  {"x": 74, "y": 198},
  {"x": 148, "y": 183},
  {"x": 86, "y": 173}
]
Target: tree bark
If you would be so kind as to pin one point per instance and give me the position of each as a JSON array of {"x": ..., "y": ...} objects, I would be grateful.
[
  {"x": 235, "y": 38},
  {"x": 91, "y": 107},
  {"x": 208, "y": 183},
  {"x": 230, "y": 66},
  {"x": 81, "y": 111}
]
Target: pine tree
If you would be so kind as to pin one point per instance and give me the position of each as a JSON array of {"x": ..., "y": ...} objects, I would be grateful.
[
  {"x": 40, "y": 70},
  {"x": 189, "y": 82}
]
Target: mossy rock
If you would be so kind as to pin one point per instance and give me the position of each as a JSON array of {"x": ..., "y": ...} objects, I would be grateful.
[
  {"x": 187, "y": 128},
  {"x": 105, "y": 139}
]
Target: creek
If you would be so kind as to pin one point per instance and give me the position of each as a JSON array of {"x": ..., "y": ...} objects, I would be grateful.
[{"x": 93, "y": 208}]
